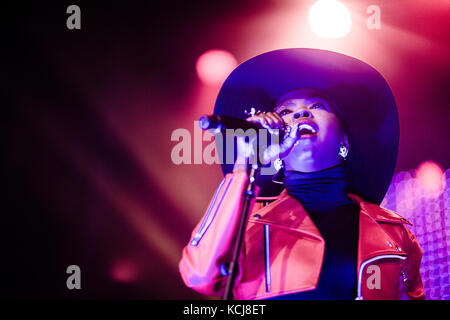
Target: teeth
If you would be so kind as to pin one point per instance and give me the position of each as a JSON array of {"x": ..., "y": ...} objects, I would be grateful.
[{"x": 307, "y": 127}]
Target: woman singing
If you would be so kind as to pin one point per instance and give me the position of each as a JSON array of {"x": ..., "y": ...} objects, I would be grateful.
[{"x": 325, "y": 235}]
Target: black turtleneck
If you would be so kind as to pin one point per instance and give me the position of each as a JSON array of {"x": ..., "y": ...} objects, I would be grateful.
[{"x": 323, "y": 196}]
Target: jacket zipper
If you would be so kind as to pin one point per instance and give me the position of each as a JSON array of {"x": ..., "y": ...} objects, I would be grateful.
[
  {"x": 267, "y": 257},
  {"x": 204, "y": 226},
  {"x": 366, "y": 262}
]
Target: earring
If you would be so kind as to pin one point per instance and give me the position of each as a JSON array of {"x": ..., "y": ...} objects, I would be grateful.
[
  {"x": 278, "y": 164},
  {"x": 343, "y": 151},
  {"x": 279, "y": 176}
]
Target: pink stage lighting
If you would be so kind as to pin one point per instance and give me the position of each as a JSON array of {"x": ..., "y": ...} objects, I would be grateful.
[
  {"x": 430, "y": 175},
  {"x": 124, "y": 271},
  {"x": 214, "y": 66},
  {"x": 329, "y": 19}
]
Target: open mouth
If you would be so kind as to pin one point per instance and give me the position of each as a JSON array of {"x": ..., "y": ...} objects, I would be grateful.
[{"x": 307, "y": 130}]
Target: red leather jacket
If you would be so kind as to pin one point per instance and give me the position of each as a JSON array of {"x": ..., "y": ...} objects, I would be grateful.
[{"x": 283, "y": 250}]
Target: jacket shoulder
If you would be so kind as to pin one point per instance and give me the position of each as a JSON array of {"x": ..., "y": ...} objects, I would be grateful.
[
  {"x": 392, "y": 214},
  {"x": 377, "y": 212}
]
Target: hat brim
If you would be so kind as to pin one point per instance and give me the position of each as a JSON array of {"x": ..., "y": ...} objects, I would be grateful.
[{"x": 363, "y": 98}]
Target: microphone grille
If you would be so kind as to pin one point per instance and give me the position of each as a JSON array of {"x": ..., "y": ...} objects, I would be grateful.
[{"x": 204, "y": 122}]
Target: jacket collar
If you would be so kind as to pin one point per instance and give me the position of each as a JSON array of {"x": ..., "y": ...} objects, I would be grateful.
[
  {"x": 286, "y": 212},
  {"x": 373, "y": 210},
  {"x": 376, "y": 212},
  {"x": 373, "y": 241}
]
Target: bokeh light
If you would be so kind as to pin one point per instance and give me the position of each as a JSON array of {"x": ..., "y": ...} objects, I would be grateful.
[
  {"x": 430, "y": 219},
  {"x": 329, "y": 19},
  {"x": 430, "y": 176},
  {"x": 124, "y": 271},
  {"x": 214, "y": 66}
]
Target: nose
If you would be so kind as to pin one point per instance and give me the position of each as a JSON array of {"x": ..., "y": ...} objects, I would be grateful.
[{"x": 304, "y": 113}]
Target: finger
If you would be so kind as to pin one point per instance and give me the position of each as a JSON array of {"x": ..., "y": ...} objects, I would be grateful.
[
  {"x": 294, "y": 132},
  {"x": 257, "y": 119},
  {"x": 257, "y": 114},
  {"x": 280, "y": 119},
  {"x": 289, "y": 141},
  {"x": 270, "y": 121},
  {"x": 280, "y": 124},
  {"x": 267, "y": 121},
  {"x": 276, "y": 123},
  {"x": 263, "y": 120}
]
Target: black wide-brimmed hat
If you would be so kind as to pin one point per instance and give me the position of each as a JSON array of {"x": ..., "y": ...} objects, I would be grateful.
[{"x": 363, "y": 98}]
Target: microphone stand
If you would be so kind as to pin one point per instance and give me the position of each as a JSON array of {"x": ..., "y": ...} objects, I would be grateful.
[
  {"x": 217, "y": 122},
  {"x": 248, "y": 195}
]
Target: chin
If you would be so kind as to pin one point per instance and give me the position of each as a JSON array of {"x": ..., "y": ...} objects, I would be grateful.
[
  {"x": 299, "y": 157},
  {"x": 302, "y": 148}
]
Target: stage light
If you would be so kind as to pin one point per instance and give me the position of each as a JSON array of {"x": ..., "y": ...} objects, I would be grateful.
[
  {"x": 430, "y": 174},
  {"x": 214, "y": 66},
  {"x": 329, "y": 19},
  {"x": 124, "y": 271}
]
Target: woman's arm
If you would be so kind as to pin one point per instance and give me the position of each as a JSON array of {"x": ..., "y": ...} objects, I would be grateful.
[{"x": 211, "y": 242}]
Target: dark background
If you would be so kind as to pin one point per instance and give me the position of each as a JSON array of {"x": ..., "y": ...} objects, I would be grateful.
[{"x": 87, "y": 117}]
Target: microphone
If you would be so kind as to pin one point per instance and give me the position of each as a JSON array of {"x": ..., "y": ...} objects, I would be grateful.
[{"x": 221, "y": 123}]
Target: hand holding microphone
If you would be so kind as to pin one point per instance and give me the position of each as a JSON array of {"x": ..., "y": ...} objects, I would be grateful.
[{"x": 270, "y": 121}]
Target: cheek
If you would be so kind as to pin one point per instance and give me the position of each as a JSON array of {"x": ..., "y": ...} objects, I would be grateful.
[
  {"x": 331, "y": 131},
  {"x": 288, "y": 119}
]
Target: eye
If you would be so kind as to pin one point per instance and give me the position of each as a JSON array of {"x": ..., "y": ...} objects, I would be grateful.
[
  {"x": 317, "y": 106},
  {"x": 284, "y": 112}
]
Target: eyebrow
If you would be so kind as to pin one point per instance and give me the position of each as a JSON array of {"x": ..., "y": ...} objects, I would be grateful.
[
  {"x": 287, "y": 104},
  {"x": 309, "y": 98}
]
